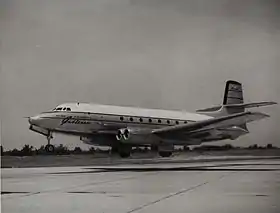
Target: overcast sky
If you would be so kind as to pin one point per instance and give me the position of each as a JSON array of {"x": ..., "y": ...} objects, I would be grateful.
[{"x": 148, "y": 53}]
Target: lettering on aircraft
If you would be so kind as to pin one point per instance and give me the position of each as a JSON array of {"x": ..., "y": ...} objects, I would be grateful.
[
  {"x": 71, "y": 120},
  {"x": 236, "y": 88}
]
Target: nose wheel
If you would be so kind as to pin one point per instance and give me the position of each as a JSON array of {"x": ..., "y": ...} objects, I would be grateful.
[{"x": 49, "y": 147}]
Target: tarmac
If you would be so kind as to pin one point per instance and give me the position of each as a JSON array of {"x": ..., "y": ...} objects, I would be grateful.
[{"x": 244, "y": 185}]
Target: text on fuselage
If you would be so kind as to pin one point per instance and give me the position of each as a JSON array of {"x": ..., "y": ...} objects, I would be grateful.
[{"x": 71, "y": 120}]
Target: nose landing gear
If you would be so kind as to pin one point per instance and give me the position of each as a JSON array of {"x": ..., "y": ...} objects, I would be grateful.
[{"x": 49, "y": 147}]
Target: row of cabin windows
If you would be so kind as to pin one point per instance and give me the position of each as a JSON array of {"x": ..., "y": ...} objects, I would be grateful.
[
  {"x": 150, "y": 120},
  {"x": 121, "y": 118}
]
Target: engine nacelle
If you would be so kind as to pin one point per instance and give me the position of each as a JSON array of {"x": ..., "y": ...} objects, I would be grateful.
[
  {"x": 120, "y": 134},
  {"x": 135, "y": 136},
  {"x": 123, "y": 134}
]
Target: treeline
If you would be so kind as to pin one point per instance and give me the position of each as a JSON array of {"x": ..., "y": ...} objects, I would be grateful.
[
  {"x": 28, "y": 150},
  {"x": 231, "y": 147}
]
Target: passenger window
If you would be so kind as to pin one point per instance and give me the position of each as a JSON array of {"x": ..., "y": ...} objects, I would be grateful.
[
  {"x": 150, "y": 120},
  {"x": 140, "y": 119},
  {"x": 121, "y": 118},
  {"x": 168, "y": 121},
  {"x": 68, "y": 109},
  {"x": 59, "y": 108},
  {"x": 185, "y": 122},
  {"x": 159, "y": 120},
  {"x": 177, "y": 122},
  {"x": 131, "y": 119}
]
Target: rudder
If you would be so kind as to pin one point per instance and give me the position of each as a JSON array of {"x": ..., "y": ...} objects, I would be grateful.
[{"x": 233, "y": 93}]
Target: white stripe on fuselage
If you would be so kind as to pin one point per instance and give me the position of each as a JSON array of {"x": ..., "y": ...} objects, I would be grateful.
[
  {"x": 91, "y": 118},
  {"x": 134, "y": 111}
]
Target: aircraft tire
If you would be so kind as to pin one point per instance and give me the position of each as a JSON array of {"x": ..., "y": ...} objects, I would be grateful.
[
  {"x": 49, "y": 148},
  {"x": 124, "y": 150},
  {"x": 165, "y": 154},
  {"x": 154, "y": 148},
  {"x": 124, "y": 154}
]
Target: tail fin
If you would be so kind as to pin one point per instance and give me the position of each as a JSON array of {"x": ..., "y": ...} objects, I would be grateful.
[
  {"x": 233, "y": 101},
  {"x": 233, "y": 93}
]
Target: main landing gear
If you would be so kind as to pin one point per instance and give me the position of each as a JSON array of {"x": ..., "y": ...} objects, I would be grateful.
[
  {"x": 165, "y": 154},
  {"x": 165, "y": 150},
  {"x": 49, "y": 147},
  {"x": 124, "y": 150}
]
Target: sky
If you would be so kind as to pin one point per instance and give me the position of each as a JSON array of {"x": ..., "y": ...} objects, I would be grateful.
[{"x": 145, "y": 53}]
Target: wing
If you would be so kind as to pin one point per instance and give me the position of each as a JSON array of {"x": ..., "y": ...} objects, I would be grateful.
[{"x": 213, "y": 123}]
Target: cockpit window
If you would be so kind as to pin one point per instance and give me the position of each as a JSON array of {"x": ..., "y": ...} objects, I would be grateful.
[{"x": 62, "y": 108}]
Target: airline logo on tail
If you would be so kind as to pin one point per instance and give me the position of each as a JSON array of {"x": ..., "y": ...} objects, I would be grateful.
[{"x": 234, "y": 87}]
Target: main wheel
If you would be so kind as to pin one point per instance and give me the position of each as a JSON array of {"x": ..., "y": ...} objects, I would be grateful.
[
  {"x": 124, "y": 150},
  {"x": 154, "y": 148},
  {"x": 165, "y": 154},
  {"x": 124, "y": 154},
  {"x": 49, "y": 148}
]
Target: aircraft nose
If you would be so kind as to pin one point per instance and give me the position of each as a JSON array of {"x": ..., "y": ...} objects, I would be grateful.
[{"x": 34, "y": 120}]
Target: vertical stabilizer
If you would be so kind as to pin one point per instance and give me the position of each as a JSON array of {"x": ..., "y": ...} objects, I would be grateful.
[
  {"x": 233, "y": 93},
  {"x": 233, "y": 101}
]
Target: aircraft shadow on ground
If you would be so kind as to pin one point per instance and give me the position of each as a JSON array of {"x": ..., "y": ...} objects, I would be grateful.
[{"x": 212, "y": 168}]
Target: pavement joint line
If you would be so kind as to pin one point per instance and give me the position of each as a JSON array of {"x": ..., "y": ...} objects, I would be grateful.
[
  {"x": 180, "y": 192},
  {"x": 73, "y": 187},
  {"x": 166, "y": 197}
]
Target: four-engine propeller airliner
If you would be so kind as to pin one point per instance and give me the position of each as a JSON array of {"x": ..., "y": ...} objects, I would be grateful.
[{"x": 123, "y": 127}]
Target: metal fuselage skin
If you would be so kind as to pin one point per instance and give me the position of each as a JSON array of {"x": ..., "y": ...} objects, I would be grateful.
[{"x": 98, "y": 124}]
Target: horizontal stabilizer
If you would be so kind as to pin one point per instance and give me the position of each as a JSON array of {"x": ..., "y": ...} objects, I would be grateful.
[
  {"x": 237, "y": 106},
  {"x": 251, "y": 105},
  {"x": 210, "y": 109}
]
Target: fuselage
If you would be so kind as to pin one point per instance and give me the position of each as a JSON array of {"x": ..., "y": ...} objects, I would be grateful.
[
  {"x": 98, "y": 124},
  {"x": 88, "y": 118}
]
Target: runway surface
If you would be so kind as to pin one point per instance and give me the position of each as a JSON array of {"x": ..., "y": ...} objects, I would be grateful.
[{"x": 230, "y": 186}]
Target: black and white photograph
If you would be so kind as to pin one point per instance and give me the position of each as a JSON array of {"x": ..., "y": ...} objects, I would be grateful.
[{"x": 139, "y": 106}]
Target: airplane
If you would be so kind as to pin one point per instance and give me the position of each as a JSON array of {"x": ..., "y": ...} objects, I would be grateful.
[{"x": 125, "y": 127}]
